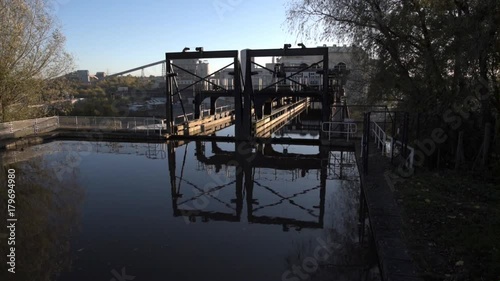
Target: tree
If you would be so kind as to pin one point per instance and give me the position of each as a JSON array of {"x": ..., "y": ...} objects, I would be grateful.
[
  {"x": 31, "y": 53},
  {"x": 433, "y": 56}
]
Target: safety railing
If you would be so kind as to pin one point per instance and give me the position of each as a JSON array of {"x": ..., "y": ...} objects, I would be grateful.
[
  {"x": 409, "y": 160},
  {"x": 387, "y": 143},
  {"x": 380, "y": 136},
  {"x": 135, "y": 124},
  {"x": 181, "y": 119},
  {"x": 332, "y": 128},
  {"x": 149, "y": 125},
  {"x": 17, "y": 129},
  {"x": 221, "y": 109}
]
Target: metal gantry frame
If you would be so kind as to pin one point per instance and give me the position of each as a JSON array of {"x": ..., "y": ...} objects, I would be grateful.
[
  {"x": 244, "y": 95},
  {"x": 172, "y": 88},
  {"x": 249, "y": 55}
]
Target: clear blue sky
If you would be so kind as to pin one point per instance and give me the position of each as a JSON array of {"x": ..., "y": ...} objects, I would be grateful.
[{"x": 116, "y": 35}]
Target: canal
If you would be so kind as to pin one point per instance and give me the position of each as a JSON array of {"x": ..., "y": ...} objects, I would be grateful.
[{"x": 188, "y": 211}]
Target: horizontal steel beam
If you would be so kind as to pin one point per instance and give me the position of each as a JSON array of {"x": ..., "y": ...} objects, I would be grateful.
[
  {"x": 202, "y": 55},
  {"x": 320, "y": 51}
]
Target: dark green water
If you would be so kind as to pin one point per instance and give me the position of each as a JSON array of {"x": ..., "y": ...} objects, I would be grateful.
[{"x": 195, "y": 211}]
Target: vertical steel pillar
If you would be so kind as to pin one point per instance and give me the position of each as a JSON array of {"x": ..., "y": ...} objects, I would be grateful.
[
  {"x": 239, "y": 191},
  {"x": 213, "y": 100},
  {"x": 366, "y": 141},
  {"x": 325, "y": 105},
  {"x": 325, "y": 159},
  {"x": 247, "y": 169},
  {"x": 198, "y": 100},
  {"x": 238, "y": 101},
  {"x": 173, "y": 179},
  {"x": 247, "y": 98},
  {"x": 169, "y": 95},
  {"x": 362, "y": 214},
  {"x": 268, "y": 108}
]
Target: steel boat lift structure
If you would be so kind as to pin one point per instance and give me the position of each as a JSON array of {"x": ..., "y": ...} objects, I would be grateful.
[{"x": 245, "y": 97}]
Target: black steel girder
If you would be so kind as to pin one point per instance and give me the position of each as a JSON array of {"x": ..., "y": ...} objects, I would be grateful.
[
  {"x": 202, "y": 55},
  {"x": 320, "y": 51}
]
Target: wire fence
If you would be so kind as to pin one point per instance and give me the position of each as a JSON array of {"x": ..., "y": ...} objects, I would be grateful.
[
  {"x": 148, "y": 125},
  {"x": 23, "y": 128},
  {"x": 18, "y": 129},
  {"x": 133, "y": 124}
]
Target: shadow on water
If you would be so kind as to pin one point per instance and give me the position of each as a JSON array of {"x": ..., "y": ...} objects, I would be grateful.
[{"x": 191, "y": 211}]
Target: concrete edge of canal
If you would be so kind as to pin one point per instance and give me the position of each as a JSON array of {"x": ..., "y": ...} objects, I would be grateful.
[
  {"x": 79, "y": 135},
  {"x": 386, "y": 223}
]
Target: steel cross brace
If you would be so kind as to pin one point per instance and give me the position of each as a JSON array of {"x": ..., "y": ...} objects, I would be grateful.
[
  {"x": 288, "y": 77},
  {"x": 202, "y": 78},
  {"x": 232, "y": 54},
  {"x": 320, "y": 51}
]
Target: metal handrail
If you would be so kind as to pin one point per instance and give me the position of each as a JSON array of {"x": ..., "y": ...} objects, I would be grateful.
[
  {"x": 381, "y": 139},
  {"x": 205, "y": 112},
  {"x": 410, "y": 159},
  {"x": 223, "y": 108},
  {"x": 349, "y": 128},
  {"x": 380, "y": 136}
]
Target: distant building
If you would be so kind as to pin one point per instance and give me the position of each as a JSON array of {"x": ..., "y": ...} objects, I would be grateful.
[
  {"x": 184, "y": 79},
  {"x": 100, "y": 75},
  {"x": 336, "y": 55},
  {"x": 348, "y": 58},
  {"x": 83, "y": 76},
  {"x": 157, "y": 82},
  {"x": 263, "y": 78}
]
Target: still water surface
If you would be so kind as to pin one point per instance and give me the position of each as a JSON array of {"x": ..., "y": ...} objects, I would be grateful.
[{"x": 189, "y": 211}]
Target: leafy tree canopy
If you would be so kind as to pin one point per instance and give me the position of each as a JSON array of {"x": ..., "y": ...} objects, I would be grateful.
[{"x": 31, "y": 54}]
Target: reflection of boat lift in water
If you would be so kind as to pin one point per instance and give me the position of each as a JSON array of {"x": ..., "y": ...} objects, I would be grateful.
[
  {"x": 342, "y": 165},
  {"x": 154, "y": 153},
  {"x": 285, "y": 146},
  {"x": 75, "y": 151},
  {"x": 244, "y": 186},
  {"x": 153, "y": 150}
]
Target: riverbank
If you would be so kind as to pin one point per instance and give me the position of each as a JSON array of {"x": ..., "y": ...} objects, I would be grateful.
[{"x": 452, "y": 224}]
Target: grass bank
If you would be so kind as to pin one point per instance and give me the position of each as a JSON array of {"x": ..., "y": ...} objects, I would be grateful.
[{"x": 452, "y": 224}]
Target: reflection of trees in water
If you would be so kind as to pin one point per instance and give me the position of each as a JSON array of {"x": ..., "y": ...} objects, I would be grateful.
[
  {"x": 346, "y": 208},
  {"x": 347, "y": 258},
  {"x": 114, "y": 147},
  {"x": 48, "y": 211}
]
